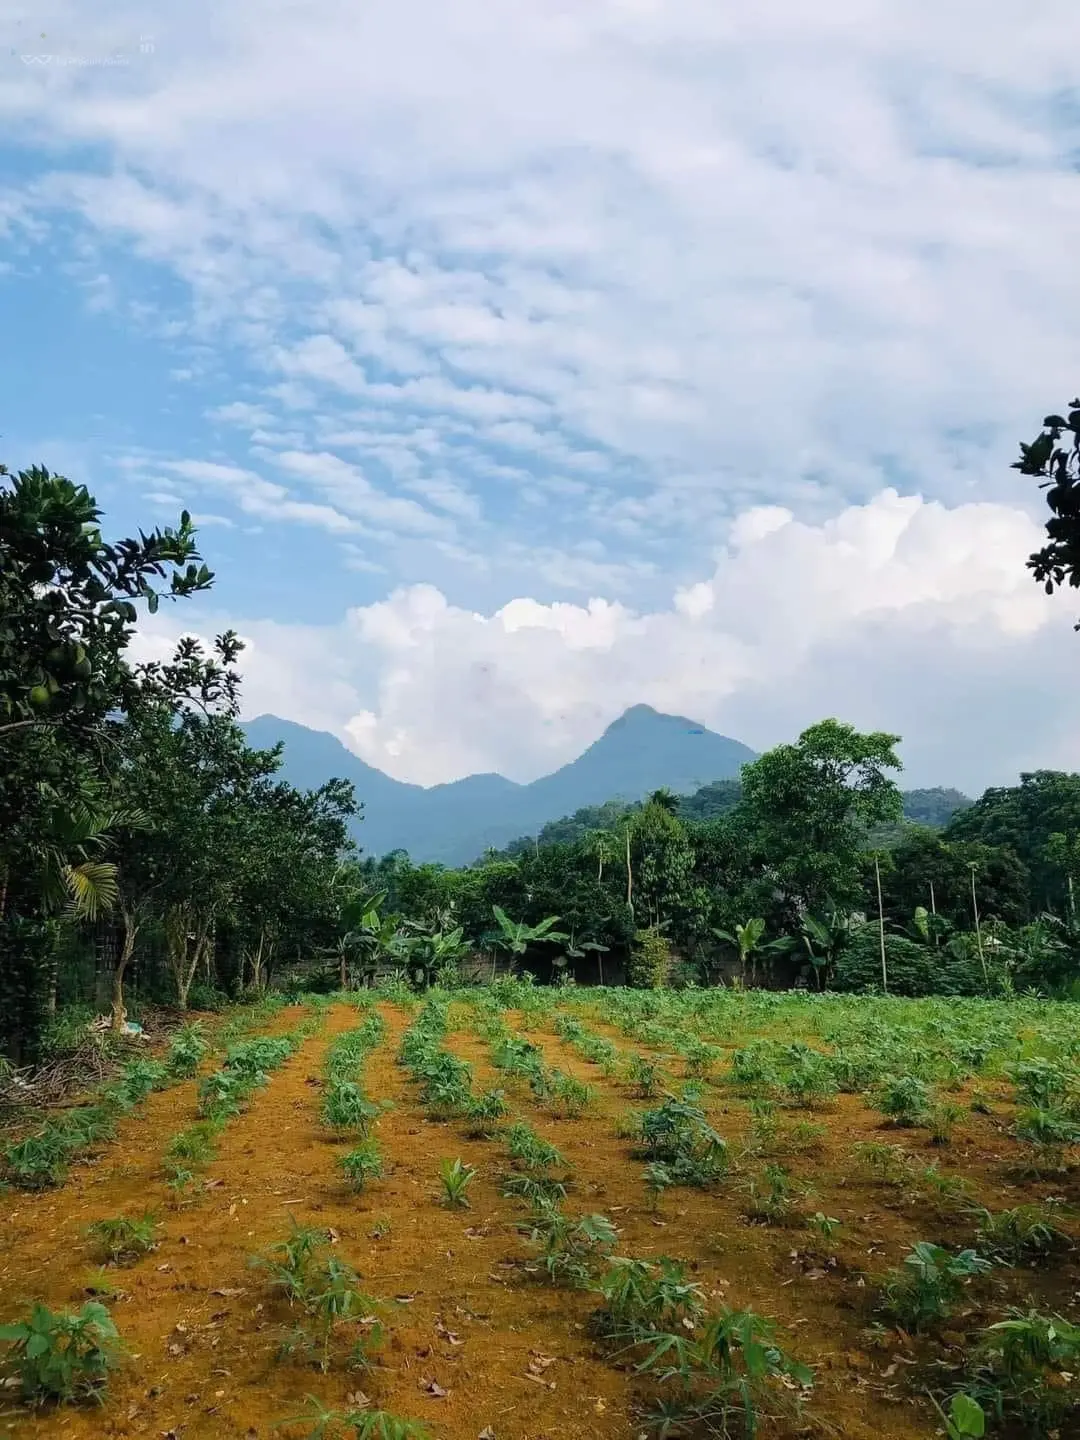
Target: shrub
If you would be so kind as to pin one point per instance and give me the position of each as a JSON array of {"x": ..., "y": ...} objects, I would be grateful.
[{"x": 650, "y": 961}]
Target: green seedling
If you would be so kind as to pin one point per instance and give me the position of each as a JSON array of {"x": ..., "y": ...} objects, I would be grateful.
[
  {"x": 363, "y": 1424},
  {"x": 924, "y": 1292},
  {"x": 484, "y": 1114},
  {"x": 122, "y": 1241},
  {"x": 456, "y": 1178},
  {"x": 187, "y": 1051},
  {"x": 363, "y": 1163},
  {"x": 347, "y": 1109}
]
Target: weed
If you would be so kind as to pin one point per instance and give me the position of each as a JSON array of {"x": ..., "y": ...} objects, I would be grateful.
[
  {"x": 1019, "y": 1368},
  {"x": 568, "y": 1098},
  {"x": 63, "y": 1356},
  {"x": 122, "y": 1241},
  {"x": 646, "y": 1075},
  {"x": 456, "y": 1178},
  {"x": 188, "y": 1049},
  {"x": 139, "y": 1079},
  {"x": 534, "y": 1189},
  {"x": 643, "y": 1299},
  {"x": 657, "y": 1178},
  {"x": 196, "y": 1144},
  {"x": 773, "y": 1202},
  {"x": 966, "y": 1419},
  {"x": 720, "y": 1373},
  {"x": 824, "y": 1225},
  {"x": 39, "y": 1161},
  {"x": 942, "y": 1120},
  {"x": 885, "y": 1164}
]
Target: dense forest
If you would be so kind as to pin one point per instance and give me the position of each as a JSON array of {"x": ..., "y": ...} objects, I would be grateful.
[{"x": 148, "y": 854}]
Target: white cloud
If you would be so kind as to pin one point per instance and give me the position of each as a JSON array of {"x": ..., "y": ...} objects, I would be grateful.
[
  {"x": 900, "y": 614},
  {"x": 567, "y": 297}
]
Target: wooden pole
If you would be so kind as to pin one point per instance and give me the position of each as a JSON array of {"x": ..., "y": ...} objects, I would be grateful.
[
  {"x": 881, "y": 927},
  {"x": 978, "y": 929}
]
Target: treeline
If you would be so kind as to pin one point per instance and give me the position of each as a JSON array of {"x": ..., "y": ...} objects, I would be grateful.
[
  {"x": 799, "y": 873},
  {"x": 141, "y": 839},
  {"x": 933, "y": 808}
]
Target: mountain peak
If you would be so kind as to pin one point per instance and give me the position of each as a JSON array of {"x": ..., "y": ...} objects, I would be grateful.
[{"x": 643, "y": 716}]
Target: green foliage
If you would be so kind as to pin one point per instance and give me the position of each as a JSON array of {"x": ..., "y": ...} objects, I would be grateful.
[
  {"x": 650, "y": 961},
  {"x": 364, "y": 1424},
  {"x": 930, "y": 1284},
  {"x": 456, "y": 1177},
  {"x": 62, "y": 1355},
  {"x": 187, "y": 1050},
  {"x": 361, "y": 1164},
  {"x": 1018, "y": 1373},
  {"x": 122, "y": 1240},
  {"x": 569, "y": 1251}
]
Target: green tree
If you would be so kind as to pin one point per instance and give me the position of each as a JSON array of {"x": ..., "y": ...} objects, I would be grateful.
[
  {"x": 1054, "y": 458},
  {"x": 808, "y": 805}
]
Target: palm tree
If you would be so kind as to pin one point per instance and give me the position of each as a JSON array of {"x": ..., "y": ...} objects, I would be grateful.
[{"x": 664, "y": 799}]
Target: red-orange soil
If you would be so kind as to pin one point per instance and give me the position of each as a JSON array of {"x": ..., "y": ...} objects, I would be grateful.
[{"x": 474, "y": 1343}]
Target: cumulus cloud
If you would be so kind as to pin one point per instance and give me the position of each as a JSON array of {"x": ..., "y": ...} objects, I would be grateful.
[{"x": 901, "y": 614}]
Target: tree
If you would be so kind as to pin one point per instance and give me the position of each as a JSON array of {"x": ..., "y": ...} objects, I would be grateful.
[
  {"x": 1023, "y": 818},
  {"x": 1054, "y": 457},
  {"x": 67, "y": 614},
  {"x": 808, "y": 805},
  {"x": 67, "y": 603}
]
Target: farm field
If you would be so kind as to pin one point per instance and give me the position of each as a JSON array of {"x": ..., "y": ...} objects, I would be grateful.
[{"x": 689, "y": 1212}]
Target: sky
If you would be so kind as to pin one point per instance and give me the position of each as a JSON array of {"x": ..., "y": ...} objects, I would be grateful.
[{"x": 520, "y": 363}]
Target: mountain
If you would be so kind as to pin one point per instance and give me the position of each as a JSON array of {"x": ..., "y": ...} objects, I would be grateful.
[{"x": 455, "y": 823}]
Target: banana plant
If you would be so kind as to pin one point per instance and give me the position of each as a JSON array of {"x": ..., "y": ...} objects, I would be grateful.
[
  {"x": 747, "y": 940},
  {"x": 515, "y": 937}
]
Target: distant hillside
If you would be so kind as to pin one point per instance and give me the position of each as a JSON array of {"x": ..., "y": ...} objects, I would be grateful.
[
  {"x": 932, "y": 808},
  {"x": 640, "y": 752}
]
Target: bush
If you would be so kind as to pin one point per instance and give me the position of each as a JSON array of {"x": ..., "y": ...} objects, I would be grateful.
[
  {"x": 914, "y": 969},
  {"x": 650, "y": 961}
]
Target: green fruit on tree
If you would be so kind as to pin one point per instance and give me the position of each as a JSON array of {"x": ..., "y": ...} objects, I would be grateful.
[
  {"x": 83, "y": 668},
  {"x": 40, "y": 697}
]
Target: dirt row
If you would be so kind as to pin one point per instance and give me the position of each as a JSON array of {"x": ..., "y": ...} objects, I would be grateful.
[{"x": 474, "y": 1345}]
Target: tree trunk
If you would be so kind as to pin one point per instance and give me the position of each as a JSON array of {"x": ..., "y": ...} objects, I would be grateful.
[
  {"x": 127, "y": 949},
  {"x": 629, "y": 877}
]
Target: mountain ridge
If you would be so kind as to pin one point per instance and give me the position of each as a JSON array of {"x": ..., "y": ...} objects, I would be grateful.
[{"x": 455, "y": 822}]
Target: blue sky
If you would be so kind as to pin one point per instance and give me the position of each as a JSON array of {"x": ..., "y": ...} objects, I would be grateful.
[{"x": 523, "y": 363}]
